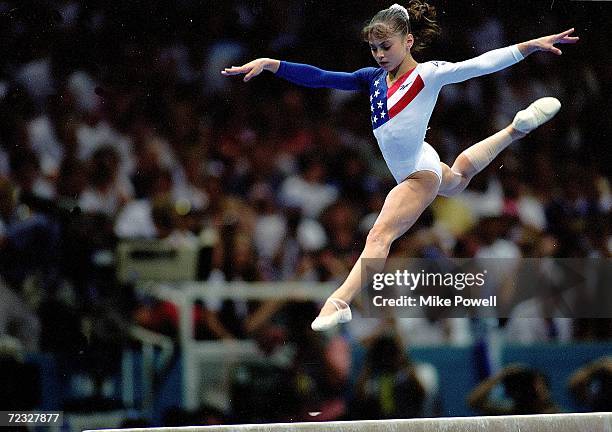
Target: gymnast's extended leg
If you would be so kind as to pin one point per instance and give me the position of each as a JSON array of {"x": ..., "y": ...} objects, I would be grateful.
[
  {"x": 477, "y": 157},
  {"x": 403, "y": 205}
]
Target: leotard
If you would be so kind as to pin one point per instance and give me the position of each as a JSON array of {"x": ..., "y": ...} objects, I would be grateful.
[{"x": 400, "y": 113}]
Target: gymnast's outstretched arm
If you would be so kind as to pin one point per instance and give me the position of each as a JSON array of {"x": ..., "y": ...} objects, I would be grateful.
[
  {"x": 303, "y": 74},
  {"x": 498, "y": 59}
]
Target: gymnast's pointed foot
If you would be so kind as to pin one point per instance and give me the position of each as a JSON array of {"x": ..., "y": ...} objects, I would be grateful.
[
  {"x": 536, "y": 114},
  {"x": 341, "y": 314}
]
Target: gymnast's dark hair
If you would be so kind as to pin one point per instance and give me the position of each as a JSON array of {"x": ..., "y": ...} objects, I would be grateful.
[{"x": 393, "y": 20}]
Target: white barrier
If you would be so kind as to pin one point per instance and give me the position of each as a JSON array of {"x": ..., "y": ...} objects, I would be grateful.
[
  {"x": 207, "y": 365},
  {"x": 588, "y": 422}
]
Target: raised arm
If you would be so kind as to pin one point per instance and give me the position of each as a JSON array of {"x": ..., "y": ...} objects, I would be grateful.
[
  {"x": 303, "y": 74},
  {"x": 499, "y": 59},
  {"x": 479, "y": 398},
  {"x": 547, "y": 43}
]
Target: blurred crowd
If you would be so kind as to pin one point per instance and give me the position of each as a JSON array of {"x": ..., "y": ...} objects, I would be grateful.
[{"x": 116, "y": 124}]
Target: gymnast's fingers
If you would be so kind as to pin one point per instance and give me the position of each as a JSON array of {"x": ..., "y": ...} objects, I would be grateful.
[
  {"x": 253, "y": 72},
  {"x": 235, "y": 70}
]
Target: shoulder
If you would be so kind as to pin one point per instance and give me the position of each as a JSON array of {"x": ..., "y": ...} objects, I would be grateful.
[
  {"x": 436, "y": 63},
  {"x": 434, "y": 66},
  {"x": 367, "y": 77},
  {"x": 368, "y": 73},
  {"x": 432, "y": 71}
]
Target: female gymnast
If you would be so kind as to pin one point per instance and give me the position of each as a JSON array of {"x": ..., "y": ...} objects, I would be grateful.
[{"x": 402, "y": 97}]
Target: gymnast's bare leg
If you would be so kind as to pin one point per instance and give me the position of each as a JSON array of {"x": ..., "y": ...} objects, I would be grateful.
[
  {"x": 402, "y": 207},
  {"x": 480, "y": 155},
  {"x": 405, "y": 203}
]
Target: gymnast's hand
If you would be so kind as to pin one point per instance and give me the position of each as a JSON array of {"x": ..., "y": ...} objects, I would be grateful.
[
  {"x": 547, "y": 43},
  {"x": 253, "y": 68}
]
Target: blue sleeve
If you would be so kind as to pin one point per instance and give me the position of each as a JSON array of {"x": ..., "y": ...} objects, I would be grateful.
[{"x": 310, "y": 76}]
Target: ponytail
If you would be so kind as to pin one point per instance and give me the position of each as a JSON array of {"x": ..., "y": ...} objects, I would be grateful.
[
  {"x": 423, "y": 24},
  {"x": 419, "y": 18}
]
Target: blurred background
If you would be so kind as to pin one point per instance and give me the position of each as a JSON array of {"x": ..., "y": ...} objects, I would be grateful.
[{"x": 154, "y": 215}]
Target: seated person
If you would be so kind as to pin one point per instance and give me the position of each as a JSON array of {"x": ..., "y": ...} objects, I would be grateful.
[
  {"x": 591, "y": 385},
  {"x": 388, "y": 386},
  {"x": 527, "y": 390}
]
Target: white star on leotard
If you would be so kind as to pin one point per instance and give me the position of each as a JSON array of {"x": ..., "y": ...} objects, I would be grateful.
[
  {"x": 375, "y": 119},
  {"x": 379, "y": 103},
  {"x": 376, "y": 83},
  {"x": 376, "y": 93},
  {"x": 371, "y": 107},
  {"x": 371, "y": 97},
  {"x": 382, "y": 114}
]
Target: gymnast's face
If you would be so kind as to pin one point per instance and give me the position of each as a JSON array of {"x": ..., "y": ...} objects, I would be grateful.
[{"x": 391, "y": 51}]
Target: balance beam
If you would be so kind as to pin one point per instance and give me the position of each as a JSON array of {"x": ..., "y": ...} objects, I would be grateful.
[{"x": 583, "y": 422}]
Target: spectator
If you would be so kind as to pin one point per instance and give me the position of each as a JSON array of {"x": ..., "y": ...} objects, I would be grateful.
[
  {"x": 542, "y": 317},
  {"x": 591, "y": 385},
  {"x": 319, "y": 368},
  {"x": 308, "y": 190},
  {"x": 388, "y": 385},
  {"x": 527, "y": 390},
  {"x": 19, "y": 382},
  {"x": 17, "y": 319},
  {"x": 25, "y": 170},
  {"x": 105, "y": 193},
  {"x": 29, "y": 237}
]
